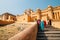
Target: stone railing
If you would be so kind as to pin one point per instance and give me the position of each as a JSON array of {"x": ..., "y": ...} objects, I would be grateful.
[
  {"x": 29, "y": 33},
  {"x": 56, "y": 24}
]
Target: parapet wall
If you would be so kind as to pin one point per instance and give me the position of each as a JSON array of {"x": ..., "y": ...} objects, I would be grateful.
[
  {"x": 29, "y": 33},
  {"x": 5, "y": 22},
  {"x": 56, "y": 24}
]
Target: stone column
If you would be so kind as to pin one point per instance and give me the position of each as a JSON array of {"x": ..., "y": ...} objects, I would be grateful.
[
  {"x": 57, "y": 16},
  {"x": 50, "y": 11},
  {"x": 38, "y": 12},
  {"x": 4, "y": 17},
  {"x": 54, "y": 16},
  {"x": 9, "y": 18}
]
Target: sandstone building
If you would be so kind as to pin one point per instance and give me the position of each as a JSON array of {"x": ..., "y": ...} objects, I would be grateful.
[
  {"x": 50, "y": 13},
  {"x": 7, "y": 18}
]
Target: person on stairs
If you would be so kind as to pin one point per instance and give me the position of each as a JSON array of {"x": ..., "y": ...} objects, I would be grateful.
[
  {"x": 42, "y": 25},
  {"x": 38, "y": 24}
]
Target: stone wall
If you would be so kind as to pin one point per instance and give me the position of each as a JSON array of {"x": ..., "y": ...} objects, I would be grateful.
[
  {"x": 5, "y": 22},
  {"x": 50, "y": 12},
  {"x": 29, "y": 33},
  {"x": 56, "y": 24},
  {"x": 22, "y": 18}
]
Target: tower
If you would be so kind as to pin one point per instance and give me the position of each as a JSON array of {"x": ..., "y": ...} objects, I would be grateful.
[
  {"x": 38, "y": 12},
  {"x": 50, "y": 12}
]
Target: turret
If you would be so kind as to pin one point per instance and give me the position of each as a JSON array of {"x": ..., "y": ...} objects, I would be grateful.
[
  {"x": 50, "y": 12},
  {"x": 28, "y": 11},
  {"x": 38, "y": 10}
]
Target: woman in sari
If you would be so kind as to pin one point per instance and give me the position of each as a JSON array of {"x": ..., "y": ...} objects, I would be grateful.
[
  {"x": 38, "y": 24},
  {"x": 42, "y": 25}
]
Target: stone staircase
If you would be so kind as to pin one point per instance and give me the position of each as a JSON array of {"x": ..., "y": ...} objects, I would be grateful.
[{"x": 49, "y": 33}]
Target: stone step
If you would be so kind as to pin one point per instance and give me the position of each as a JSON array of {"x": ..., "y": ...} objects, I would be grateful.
[
  {"x": 50, "y": 32},
  {"x": 50, "y": 29},
  {"x": 49, "y": 35},
  {"x": 49, "y": 38}
]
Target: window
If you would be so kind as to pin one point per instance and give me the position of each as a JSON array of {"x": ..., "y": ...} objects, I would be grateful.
[
  {"x": 13, "y": 19},
  {"x": 53, "y": 16},
  {"x": 7, "y": 18}
]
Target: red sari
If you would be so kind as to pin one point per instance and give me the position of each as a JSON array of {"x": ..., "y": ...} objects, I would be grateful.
[{"x": 44, "y": 23}]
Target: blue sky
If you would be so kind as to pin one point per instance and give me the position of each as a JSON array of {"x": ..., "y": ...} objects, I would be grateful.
[{"x": 18, "y": 6}]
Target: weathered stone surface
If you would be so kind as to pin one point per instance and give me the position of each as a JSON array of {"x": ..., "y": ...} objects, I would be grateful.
[
  {"x": 56, "y": 24},
  {"x": 29, "y": 33}
]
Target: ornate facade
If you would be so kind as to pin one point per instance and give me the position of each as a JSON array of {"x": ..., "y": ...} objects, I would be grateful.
[
  {"x": 7, "y": 18},
  {"x": 52, "y": 13}
]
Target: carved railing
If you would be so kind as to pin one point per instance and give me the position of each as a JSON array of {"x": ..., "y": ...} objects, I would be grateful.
[{"x": 29, "y": 33}]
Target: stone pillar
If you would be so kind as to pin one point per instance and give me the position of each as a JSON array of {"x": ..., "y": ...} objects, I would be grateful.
[
  {"x": 38, "y": 12},
  {"x": 9, "y": 18},
  {"x": 50, "y": 12},
  {"x": 4, "y": 17},
  {"x": 57, "y": 16},
  {"x": 54, "y": 16}
]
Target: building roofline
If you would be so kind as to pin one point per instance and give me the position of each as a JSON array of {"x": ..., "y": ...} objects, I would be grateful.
[{"x": 8, "y": 13}]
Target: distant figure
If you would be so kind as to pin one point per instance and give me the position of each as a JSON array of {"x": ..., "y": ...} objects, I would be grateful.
[
  {"x": 42, "y": 25},
  {"x": 38, "y": 24},
  {"x": 49, "y": 23}
]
